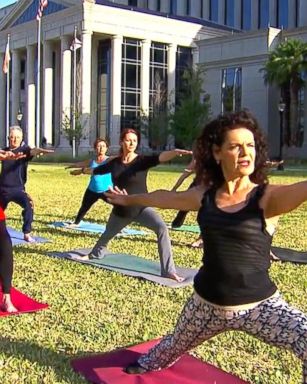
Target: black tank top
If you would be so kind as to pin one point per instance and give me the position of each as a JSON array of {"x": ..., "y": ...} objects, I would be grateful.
[{"x": 236, "y": 252}]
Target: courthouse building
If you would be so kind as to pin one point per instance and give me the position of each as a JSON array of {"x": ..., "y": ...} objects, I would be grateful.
[
  {"x": 127, "y": 43},
  {"x": 123, "y": 50}
]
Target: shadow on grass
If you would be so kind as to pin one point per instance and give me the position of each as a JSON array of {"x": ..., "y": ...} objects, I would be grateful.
[{"x": 59, "y": 362}]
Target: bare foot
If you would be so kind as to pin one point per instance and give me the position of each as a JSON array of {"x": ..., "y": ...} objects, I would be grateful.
[
  {"x": 79, "y": 257},
  {"x": 197, "y": 244},
  {"x": 273, "y": 256},
  {"x": 27, "y": 237},
  {"x": 71, "y": 225},
  {"x": 176, "y": 277},
  {"x": 7, "y": 305}
]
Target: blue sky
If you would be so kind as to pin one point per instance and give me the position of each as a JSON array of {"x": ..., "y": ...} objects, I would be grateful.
[{"x": 4, "y": 3}]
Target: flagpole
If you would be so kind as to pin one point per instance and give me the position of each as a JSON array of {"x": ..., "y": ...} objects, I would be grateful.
[
  {"x": 8, "y": 93},
  {"x": 74, "y": 94},
  {"x": 38, "y": 83}
]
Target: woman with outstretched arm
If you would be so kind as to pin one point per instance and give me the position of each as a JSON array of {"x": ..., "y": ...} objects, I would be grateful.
[
  {"x": 129, "y": 171},
  {"x": 237, "y": 212}
]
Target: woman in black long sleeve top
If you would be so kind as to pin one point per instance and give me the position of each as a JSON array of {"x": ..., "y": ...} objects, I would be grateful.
[{"x": 129, "y": 172}]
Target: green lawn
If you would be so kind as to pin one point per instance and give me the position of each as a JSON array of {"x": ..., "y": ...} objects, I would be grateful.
[{"x": 93, "y": 310}]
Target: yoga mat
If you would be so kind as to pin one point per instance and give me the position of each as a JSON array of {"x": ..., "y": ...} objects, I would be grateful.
[
  {"x": 17, "y": 237},
  {"x": 285, "y": 254},
  {"x": 23, "y": 303},
  {"x": 187, "y": 228},
  {"x": 86, "y": 226},
  {"x": 107, "y": 368},
  {"x": 131, "y": 266}
]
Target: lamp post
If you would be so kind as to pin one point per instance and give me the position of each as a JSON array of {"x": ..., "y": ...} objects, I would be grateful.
[{"x": 281, "y": 108}]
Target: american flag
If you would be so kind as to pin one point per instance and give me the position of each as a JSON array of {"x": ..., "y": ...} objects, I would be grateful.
[
  {"x": 6, "y": 59},
  {"x": 41, "y": 5}
]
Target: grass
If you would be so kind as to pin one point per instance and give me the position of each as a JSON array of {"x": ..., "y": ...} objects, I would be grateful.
[{"x": 93, "y": 310}]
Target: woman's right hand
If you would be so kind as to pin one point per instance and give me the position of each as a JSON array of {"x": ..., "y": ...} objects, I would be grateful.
[{"x": 117, "y": 196}]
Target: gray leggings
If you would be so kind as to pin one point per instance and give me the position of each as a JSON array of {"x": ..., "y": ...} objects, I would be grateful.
[
  {"x": 148, "y": 218},
  {"x": 272, "y": 321}
]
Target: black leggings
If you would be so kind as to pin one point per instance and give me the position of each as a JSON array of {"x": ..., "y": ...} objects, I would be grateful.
[
  {"x": 88, "y": 200},
  {"x": 6, "y": 258}
]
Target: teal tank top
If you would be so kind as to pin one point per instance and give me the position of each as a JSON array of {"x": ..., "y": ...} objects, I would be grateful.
[{"x": 99, "y": 183}]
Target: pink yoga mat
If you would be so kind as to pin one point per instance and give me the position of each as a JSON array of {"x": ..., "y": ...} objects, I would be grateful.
[
  {"x": 23, "y": 303},
  {"x": 107, "y": 368}
]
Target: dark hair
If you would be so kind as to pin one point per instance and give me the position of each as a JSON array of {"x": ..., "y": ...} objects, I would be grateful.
[
  {"x": 208, "y": 172},
  {"x": 125, "y": 132},
  {"x": 99, "y": 140}
]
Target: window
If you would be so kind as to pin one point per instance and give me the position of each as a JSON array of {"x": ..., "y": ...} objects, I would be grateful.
[
  {"x": 282, "y": 14},
  {"x": 230, "y": 13},
  {"x": 231, "y": 89},
  {"x": 188, "y": 7},
  {"x": 183, "y": 62},
  {"x": 131, "y": 82},
  {"x": 133, "y": 3},
  {"x": 246, "y": 15},
  {"x": 264, "y": 14},
  {"x": 214, "y": 10},
  {"x": 157, "y": 78},
  {"x": 103, "y": 89}
]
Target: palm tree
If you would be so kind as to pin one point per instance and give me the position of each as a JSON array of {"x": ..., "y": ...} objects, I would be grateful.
[{"x": 284, "y": 68}]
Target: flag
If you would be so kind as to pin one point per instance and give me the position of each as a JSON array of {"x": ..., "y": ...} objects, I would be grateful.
[
  {"x": 76, "y": 44},
  {"x": 6, "y": 59},
  {"x": 41, "y": 5}
]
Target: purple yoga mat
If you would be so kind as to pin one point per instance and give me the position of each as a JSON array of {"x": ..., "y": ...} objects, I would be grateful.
[{"x": 107, "y": 368}]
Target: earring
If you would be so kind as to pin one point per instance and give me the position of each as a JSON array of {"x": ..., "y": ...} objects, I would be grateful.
[{"x": 218, "y": 162}]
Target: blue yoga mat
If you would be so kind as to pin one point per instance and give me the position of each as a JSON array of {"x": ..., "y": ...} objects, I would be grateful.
[
  {"x": 187, "y": 228},
  {"x": 17, "y": 237},
  {"x": 87, "y": 226},
  {"x": 131, "y": 265}
]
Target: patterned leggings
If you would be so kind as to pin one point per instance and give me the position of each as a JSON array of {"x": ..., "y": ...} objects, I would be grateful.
[{"x": 272, "y": 321}]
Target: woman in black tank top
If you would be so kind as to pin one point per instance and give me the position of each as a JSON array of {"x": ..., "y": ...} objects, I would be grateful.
[{"x": 236, "y": 209}]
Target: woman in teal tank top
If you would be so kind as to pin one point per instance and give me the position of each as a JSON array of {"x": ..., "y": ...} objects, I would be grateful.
[{"x": 98, "y": 183}]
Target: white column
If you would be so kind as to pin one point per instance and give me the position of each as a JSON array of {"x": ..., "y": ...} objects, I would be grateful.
[
  {"x": 145, "y": 58},
  {"x": 48, "y": 91},
  {"x": 66, "y": 81},
  {"x": 116, "y": 90},
  {"x": 171, "y": 74},
  {"x": 15, "y": 86},
  {"x": 86, "y": 81},
  {"x": 30, "y": 113},
  {"x": 2, "y": 104}
]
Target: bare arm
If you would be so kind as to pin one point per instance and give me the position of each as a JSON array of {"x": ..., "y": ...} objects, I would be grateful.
[
  {"x": 186, "y": 201},
  {"x": 80, "y": 164},
  {"x": 40, "y": 151},
  {"x": 280, "y": 199},
  {"x": 186, "y": 173},
  {"x": 169, "y": 155}
]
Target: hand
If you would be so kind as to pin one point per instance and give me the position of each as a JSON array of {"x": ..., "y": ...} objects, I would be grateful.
[
  {"x": 182, "y": 152},
  {"x": 40, "y": 151},
  {"x": 76, "y": 172},
  {"x": 8, "y": 155},
  {"x": 117, "y": 196}
]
